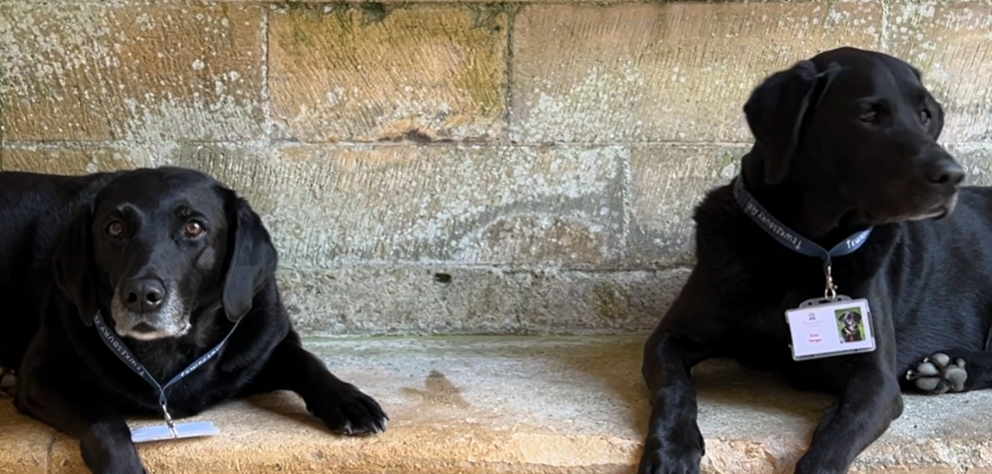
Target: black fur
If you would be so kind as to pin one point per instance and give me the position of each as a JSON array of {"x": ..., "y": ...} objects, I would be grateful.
[
  {"x": 60, "y": 263},
  {"x": 864, "y": 153}
]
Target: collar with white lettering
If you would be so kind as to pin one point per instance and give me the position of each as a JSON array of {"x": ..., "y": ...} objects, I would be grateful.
[
  {"x": 790, "y": 238},
  {"x": 121, "y": 351}
]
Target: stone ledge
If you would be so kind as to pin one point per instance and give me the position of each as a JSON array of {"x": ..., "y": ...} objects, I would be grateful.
[{"x": 524, "y": 405}]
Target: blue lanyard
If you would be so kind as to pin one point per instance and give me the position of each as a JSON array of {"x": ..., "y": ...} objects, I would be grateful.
[
  {"x": 790, "y": 238},
  {"x": 117, "y": 346}
]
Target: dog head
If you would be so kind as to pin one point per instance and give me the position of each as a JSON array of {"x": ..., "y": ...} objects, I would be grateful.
[
  {"x": 155, "y": 245},
  {"x": 857, "y": 131},
  {"x": 850, "y": 319}
]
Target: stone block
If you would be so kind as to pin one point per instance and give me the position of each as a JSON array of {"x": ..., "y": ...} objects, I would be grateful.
[
  {"x": 64, "y": 160},
  {"x": 951, "y": 42},
  {"x": 664, "y": 72},
  {"x": 667, "y": 183},
  {"x": 327, "y": 206},
  {"x": 505, "y": 206},
  {"x": 90, "y": 72},
  {"x": 438, "y": 299},
  {"x": 378, "y": 74}
]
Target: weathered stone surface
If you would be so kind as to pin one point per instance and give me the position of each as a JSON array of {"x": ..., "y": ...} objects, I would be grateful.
[
  {"x": 25, "y": 442},
  {"x": 951, "y": 41},
  {"x": 533, "y": 206},
  {"x": 511, "y": 205},
  {"x": 89, "y": 72},
  {"x": 667, "y": 183},
  {"x": 531, "y": 406},
  {"x": 677, "y": 71},
  {"x": 71, "y": 161},
  {"x": 977, "y": 163},
  {"x": 442, "y": 299},
  {"x": 375, "y": 74}
]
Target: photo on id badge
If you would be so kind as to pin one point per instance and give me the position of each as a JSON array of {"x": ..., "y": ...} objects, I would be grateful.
[{"x": 850, "y": 324}]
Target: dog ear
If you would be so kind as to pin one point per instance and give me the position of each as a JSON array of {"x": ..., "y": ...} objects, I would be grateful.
[
  {"x": 252, "y": 259},
  {"x": 73, "y": 265},
  {"x": 776, "y": 111}
]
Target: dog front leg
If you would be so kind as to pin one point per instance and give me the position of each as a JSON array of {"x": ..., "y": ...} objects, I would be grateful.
[
  {"x": 870, "y": 400},
  {"x": 340, "y": 405},
  {"x": 674, "y": 444},
  {"x": 103, "y": 435},
  {"x": 688, "y": 334}
]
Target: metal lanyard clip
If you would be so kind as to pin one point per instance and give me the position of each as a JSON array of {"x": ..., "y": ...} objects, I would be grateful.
[
  {"x": 168, "y": 420},
  {"x": 830, "y": 290}
]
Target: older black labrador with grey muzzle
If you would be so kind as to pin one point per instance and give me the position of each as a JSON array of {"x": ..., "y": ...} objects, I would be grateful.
[
  {"x": 179, "y": 263},
  {"x": 845, "y": 153}
]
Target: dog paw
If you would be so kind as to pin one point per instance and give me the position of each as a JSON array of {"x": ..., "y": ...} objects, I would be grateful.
[
  {"x": 939, "y": 374},
  {"x": 680, "y": 458},
  {"x": 350, "y": 412},
  {"x": 8, "y": 382}
]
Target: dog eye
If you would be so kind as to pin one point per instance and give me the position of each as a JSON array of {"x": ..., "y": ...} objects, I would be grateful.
[
  {"x": 925, "y": 116},
  {"x": 194, "y": 229},
  {"x": 115, "y": 229},
  {"x": 868, "y": 116}
]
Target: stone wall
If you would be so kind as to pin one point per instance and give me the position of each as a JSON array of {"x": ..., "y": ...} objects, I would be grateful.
[{"x": 460, "y": 167}]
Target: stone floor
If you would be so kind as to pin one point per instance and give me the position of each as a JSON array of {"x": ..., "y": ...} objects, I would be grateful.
[{"x": 523, "y": 405}]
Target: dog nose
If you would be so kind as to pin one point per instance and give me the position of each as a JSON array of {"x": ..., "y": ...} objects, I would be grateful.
[
  {"x": 947, "y": 172},
  {"x": 144, "y": 295}
]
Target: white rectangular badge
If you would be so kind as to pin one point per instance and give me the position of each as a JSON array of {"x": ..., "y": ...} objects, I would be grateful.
[
  {"x": 825, "y": 328},
  {"x": 196, "y": 429}
]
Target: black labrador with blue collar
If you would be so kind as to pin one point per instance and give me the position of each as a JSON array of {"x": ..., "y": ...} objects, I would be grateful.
[
  {"x": 173, "y": 259},
  {"x": 844, "y": 142}
]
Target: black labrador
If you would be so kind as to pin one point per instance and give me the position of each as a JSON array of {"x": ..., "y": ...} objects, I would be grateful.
[
  {"x": 170, "y": 260},
  {"x": 845, "y": 143}
]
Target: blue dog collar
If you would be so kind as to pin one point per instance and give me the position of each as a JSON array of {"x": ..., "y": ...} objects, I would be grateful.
[{"x": 790, "y": 238}]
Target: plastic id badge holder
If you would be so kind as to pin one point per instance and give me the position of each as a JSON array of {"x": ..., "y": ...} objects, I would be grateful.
[
  {"x": 830, "y": 327},
  {"x": 198, "y": 429}
]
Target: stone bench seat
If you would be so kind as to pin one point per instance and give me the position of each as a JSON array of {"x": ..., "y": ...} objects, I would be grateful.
[{"x": 523, "y": 405}]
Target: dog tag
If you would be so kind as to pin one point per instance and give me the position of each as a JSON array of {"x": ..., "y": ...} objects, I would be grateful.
[
  {"x": 823, "y": 327},
  {"x": 195, "y": 429}
]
